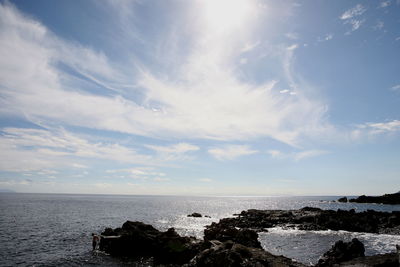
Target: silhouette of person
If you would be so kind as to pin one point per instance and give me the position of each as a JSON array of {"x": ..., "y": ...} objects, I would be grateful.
[{"x": 95, "y": 240}]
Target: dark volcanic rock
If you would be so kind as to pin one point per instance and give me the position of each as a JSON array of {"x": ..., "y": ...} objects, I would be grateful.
[
  {"x": 341, "y": 252},
  {"x": 231, "y": 254},
  {"x": 141, "y": 241},
  {"x": 310, "y": 218},
  {"x": 392, "y": 199},
  {"x": 137, "y": 240},
  {"x": 195, "y": 214},
  {"x": 231, "y": 243},
  {"x": 381, "y": 260},
  {"x": 246, "y": 237},
  {"x": 343, "y": 199}
]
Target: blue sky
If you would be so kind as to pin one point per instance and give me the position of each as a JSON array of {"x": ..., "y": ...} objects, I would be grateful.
[{"x": 228, "y": 97}]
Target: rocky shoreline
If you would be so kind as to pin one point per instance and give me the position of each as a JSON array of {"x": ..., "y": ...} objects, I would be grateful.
[
  {"x": 389, "y": 199},
  {"x": 234, "y": 241},
  {"x": 310, "y": 218}
]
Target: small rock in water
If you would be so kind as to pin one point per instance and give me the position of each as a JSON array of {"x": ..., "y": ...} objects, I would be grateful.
[
  {"x": 195, "y": 214},
  {"x": 343, "y": 199}
]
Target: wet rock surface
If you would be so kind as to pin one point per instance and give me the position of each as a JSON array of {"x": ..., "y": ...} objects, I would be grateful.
[
  {"x": 382, "y": 260},
  {"x": 231, "y": 254},
  {"x": 138, "y": 240},
  {"x": 309, "y": 218},
  {"x": 341, "y": 252},
  {"x": 221, "y": 247}
]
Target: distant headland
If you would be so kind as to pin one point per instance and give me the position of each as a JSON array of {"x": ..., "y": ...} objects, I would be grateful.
[{"x": 391, "y": 199}]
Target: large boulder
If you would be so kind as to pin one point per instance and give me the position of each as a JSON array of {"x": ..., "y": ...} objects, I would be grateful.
[
  {"x": 138, "y": 240},
  {"x": 223, "y": 233},
  {"x": 230, "y": 254},
  {"x": 342, "y": 251}
]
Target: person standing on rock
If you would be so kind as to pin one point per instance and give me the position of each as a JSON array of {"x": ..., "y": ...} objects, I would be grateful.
[{"x": 95, "y": 241}]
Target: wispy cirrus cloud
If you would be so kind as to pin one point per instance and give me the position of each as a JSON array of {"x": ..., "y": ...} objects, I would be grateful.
[
  {"x": 175, "y": 152},
  {"x": 395, "y": 88},
  {"x": 231, "y": 152},
  {"x": 327, "y": 37},
  {"x": 382, "y": 127},
  {"x": 296, "y": 156},
  {"x": 205, "y": 99},
  {"x": 353, "y": 12},
  {"x": 384, "y": 4},
  {"x": 179, "y": 148},
  {"x": 36, "y": 149},
  {"x": 379, "y": 25},
  {"x": 137, "y": 173},
  {"x": 375, "y": 129},
  {"x": 292, "y": 35},
  {"x": 351, "y": 16}
]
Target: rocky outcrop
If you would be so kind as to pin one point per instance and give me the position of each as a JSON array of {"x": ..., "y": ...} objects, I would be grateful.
[
  {"x": 343, "y": 200},
  {"x": 234, "y": 241},
  {"x": 381, "y": 260},
  {"x": 232, "y": 254},
  {"x": 245, "y": 237},
  {"x": 392, "y": 199},
  {"x": 137, "y": 240},
  {"x": 342, "y": 251},
  {"x": 309, "y": 218},
  {"x": 221, "y": 247}
]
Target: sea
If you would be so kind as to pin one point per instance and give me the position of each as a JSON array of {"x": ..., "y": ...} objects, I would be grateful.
[{"x": 55, "y": 229}]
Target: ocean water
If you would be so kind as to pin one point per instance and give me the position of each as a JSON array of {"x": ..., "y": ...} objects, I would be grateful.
[{"x": 55, "y": 229}]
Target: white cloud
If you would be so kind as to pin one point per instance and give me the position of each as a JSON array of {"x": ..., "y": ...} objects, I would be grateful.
[
  {"x": 350, "y": 15},
  {"x": 231, "y": 152},
  {"x": 292, "y": 35},
  {"x": 355, "y": 25},
  {"x": 25, "y": 149},
  {"x": 79, "y": 166},
  {"x": 139, "y": 173},
  {"x": 381, "y": 127},
  {"x": 284, "y": 91},
  {"x": 276, "y": 154},
  {"x": 204, "y": 100},
  {"x": 353, "y": 12},
  {"x": 308, "y": 154},
  {"x": 296, "y": 156},
  {"x": 372, "y": 130},
  {"x": 292, "y": 47},
  {"x": 179, "y": 148},
  {"x": 161, "y": 179},
  {"x": 384, "y": 4},
  {"x": 395, "y": 87},
  {"x": 327, "y": 37},
  {"x": 379, "y": 25},
  {"x": 250, "y": 46},
  {"x": 174, "y": 152}
]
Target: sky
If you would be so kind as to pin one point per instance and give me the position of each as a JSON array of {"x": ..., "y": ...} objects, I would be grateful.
[{"x": 200, "y": 97}]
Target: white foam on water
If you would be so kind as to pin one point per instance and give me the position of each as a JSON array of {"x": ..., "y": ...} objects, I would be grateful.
[{"x": 309, "y": 246}]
